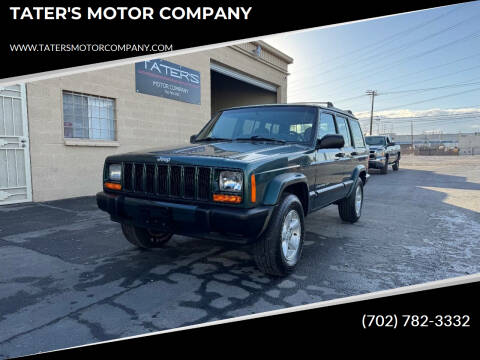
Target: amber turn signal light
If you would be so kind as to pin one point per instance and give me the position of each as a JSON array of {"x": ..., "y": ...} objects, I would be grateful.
[
  {"x": 113, "y": 186},
  {"x": 234, "y": 199},
  {"x": 254, "y": 188}
]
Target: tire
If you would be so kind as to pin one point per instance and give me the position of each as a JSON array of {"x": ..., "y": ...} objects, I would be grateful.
[
  {"x": 385, "y": 166},
  {"x": 349, "y": 209},
  {"x": 279, "y": 249},
  {"x": 144, "y": 238},
  {"x": 396, "y": 165}
]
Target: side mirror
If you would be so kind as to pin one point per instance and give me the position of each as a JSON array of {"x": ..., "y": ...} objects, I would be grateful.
[
  {"x": 391, "y": 144},
  {"x": 193, "y": 138},
  {"x": 330, "y": 141}
]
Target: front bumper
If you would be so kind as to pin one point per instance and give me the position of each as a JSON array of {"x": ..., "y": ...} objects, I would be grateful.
[
  {"x": 376, "y": 163},
  {"x": 205, "y": 221}
]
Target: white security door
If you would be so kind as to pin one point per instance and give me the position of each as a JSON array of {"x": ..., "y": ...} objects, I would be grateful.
[{"x": 15, "y": 183}]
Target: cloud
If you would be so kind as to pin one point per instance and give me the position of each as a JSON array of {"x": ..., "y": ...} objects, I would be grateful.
[{"x": 406, "y": 113}]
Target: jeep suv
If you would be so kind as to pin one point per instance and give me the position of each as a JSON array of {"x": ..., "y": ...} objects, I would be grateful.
[{"x": 251, "y": 175}]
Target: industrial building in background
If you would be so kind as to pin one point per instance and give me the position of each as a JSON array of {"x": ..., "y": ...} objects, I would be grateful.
[{"x": 56, "y": 133}]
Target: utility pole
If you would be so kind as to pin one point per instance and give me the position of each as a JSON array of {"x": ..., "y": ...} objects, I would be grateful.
[
  {"x": 373, "y": 93},
  {"x": 411, "y": 132}
]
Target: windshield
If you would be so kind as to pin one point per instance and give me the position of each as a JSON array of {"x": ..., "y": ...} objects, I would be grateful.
[
  {"x": 263, "y": 123},
  {"x": 375, "y": 140}
]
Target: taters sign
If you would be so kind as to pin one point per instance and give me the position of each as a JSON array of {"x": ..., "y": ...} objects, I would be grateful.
[{"x": 168, "y": 80}]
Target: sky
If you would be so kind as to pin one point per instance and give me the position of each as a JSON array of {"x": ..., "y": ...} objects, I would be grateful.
[{"x": 425, "y": 66}]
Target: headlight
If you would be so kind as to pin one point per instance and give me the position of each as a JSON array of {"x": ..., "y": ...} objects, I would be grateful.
[
  {"x": 231, "y": 181},
  {"x": 115, "y": 172},
  {"x": 379, "y": 152}
]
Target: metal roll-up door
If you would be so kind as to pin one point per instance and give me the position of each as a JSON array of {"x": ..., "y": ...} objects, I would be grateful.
[{"x": 242, "y": 77}]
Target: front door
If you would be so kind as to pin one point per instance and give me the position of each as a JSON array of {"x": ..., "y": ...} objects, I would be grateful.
[{"x": 15, "y": 185}]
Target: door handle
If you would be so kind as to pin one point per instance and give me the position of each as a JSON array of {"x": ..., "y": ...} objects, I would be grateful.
[{"x": 340, "y": 155}]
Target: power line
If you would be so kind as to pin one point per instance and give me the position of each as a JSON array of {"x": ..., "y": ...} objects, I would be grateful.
[
  {"x": 414, "y": 90},
  {"x": 414, "y": 73},
  {"x": 429, "y": 89},
  {"x": 383, "y": 42},
  {"x": 427, "y": 100},
  {"x": 439, "y": 77},
  {"x": 416, "y": 56}
]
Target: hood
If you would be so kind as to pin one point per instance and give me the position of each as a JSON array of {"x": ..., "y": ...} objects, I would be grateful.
[{"x": 237, "y": 150}]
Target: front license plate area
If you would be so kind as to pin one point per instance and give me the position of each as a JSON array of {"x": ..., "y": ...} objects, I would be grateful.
[{"x": 155, "y": 217}]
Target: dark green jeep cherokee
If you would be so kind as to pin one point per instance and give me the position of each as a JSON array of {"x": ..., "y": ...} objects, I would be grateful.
[{"x": 251, "y": 175}]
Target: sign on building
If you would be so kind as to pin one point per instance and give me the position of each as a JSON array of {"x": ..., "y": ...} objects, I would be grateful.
[{"x": 168, "y": 80}]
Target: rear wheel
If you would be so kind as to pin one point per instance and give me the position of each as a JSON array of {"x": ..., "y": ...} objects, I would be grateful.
[
  {"x": 396, "y": 165},
  {"x": 350, "y": 208},
  {"x": 144, "y": 238},
  {"x": 279, "y": 249}
]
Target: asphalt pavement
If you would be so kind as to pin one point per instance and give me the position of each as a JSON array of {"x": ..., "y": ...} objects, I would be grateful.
[{"x": 68, "y": 277}]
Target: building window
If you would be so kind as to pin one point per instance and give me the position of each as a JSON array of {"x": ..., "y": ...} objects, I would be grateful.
[{"x": 88, "y": 116}]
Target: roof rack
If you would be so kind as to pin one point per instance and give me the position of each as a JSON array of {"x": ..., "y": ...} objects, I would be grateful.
[{"x": 326, "y": 103}]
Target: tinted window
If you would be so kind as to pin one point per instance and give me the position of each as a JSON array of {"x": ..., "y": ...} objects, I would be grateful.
[
  {"x": 287, "y": 123},
  {"x": 326, "y": 125},
  {"x": 356, "y": 133},
  {"x": 375, "y": 140},
  {"x": 343, "y": 130}
]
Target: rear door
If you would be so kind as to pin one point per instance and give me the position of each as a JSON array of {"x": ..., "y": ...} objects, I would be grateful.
[
  {"x": 360, "y": 154},
  {"x": 346, "y": 161},
  {"x": 327, "y": 178}
]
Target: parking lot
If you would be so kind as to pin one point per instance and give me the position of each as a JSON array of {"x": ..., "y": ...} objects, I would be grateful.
[{"x": 68, "y": 277}]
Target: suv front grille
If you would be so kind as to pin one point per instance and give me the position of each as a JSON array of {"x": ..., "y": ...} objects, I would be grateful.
[{"x": 176, "y": 181}]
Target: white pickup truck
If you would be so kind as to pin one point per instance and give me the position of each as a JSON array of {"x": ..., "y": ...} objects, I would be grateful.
[{"x": 383, "y": 152}]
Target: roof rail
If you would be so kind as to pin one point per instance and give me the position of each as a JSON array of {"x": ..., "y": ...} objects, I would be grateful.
[{"x": 326, "y": 103}]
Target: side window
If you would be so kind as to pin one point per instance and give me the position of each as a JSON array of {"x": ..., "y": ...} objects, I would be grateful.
[
  {"x": 343, "y": 130},
  {"x": 358, "y": 140},
  {"x": 326, "y": 125}
]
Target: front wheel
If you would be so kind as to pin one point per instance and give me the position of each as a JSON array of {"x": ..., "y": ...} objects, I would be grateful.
[
  {"x": 279, "y": 249},
  {"x": 350, "y": 208},
  {"x": 144, "y": 238},
  {"x": 385, "y": 166}
]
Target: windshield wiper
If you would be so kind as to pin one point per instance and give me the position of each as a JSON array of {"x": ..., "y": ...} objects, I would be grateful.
[
  {"x": 261, "y": 138},
  {"x": 212, "y": 138}
]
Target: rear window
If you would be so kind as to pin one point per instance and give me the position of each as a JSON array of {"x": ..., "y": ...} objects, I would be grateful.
[
  {"x": 343, "y": 130},
  {"x": 357, "y": 134}
]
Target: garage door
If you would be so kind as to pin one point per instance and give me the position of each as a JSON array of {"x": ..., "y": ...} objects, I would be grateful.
[
  {"x": 243, "y": 77},
  {"x": 15, "y": 183},
  {"x": 231, "y": 88}
]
